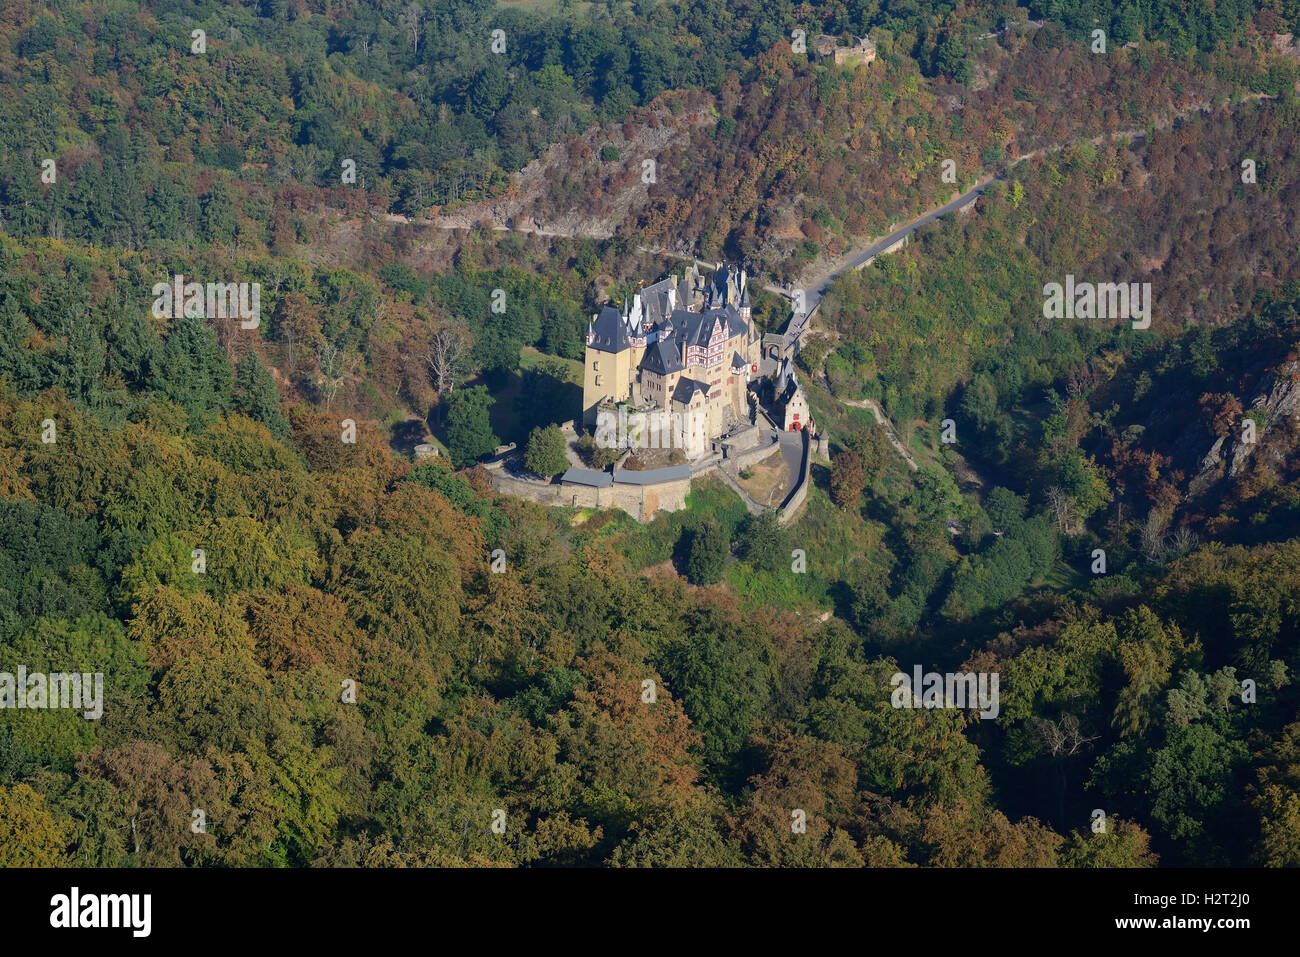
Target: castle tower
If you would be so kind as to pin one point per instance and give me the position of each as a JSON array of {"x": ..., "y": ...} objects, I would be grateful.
[{"x": 608, "y": 369}]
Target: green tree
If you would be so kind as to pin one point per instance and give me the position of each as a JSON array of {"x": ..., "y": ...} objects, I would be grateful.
[
  {"x": 544, "y": 454},
  {"x": 219, "y": 220},
  {"x": 594, "y": 455},
  {"x": 469, "y": 426},
  {"x": 872, "y": 448},
  {"x": 708, "y": 555},
  {"x": 870, "y": 606},
  {"x": 193, "y": 372},
  {"x": 1123, "y": 844},
  {"x": 950, "y": 59},
  {"x": 496, "y": 352},
  {"x": 763, "y": 542},
  {"x": 257, "y": 397},
  {"x": 545, "y": 390},
  {"x": 721, "y": 673},
  {"x": 1005, "y": 510}
]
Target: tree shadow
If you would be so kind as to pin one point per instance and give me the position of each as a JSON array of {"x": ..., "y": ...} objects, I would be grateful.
[{"x": 404, "y": 436}]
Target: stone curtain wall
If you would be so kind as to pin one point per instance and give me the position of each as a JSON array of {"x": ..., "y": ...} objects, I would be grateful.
[
  {"x": 746, "y": 459},
  {"x": 796, "y": 498},
  {"x": 642, "y": 502}
]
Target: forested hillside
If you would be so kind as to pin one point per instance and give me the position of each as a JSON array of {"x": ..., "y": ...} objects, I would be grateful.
[
  {"x": 327, "y": 563},
  {"x": 345, "y": 657}
]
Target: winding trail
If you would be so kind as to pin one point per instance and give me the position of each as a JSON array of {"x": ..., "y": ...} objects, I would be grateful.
[
  {"x": 800, "y": 323},
  {"x": 883, "y": 421}
]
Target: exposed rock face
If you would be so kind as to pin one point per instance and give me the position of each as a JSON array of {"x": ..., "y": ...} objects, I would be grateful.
[
  {"x": 1283, "y": 391},
  {"x": 1213, "y": 457},
  {"x": 1278, "y": 398},
  {"x": 623, "y": 189}
]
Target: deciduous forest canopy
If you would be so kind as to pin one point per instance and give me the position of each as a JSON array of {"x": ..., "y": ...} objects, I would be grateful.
[{"x": 180, "y": 510}]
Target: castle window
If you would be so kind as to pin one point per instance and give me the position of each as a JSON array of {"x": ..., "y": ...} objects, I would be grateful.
[
  {"x": 597, "y": 380},
  {"x": 595, "y": 365}
]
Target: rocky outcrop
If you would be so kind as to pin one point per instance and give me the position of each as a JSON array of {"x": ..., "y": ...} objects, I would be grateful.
[{"x": 1278, "y": 398}]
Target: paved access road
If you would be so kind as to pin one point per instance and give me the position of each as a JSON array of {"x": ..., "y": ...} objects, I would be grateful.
[{"x": 813, "y": 296}]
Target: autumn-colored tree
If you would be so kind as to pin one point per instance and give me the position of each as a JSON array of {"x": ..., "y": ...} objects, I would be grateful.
[
  {"x": 965, "y": 836},
  {"x": 1275, "y": 799},
  {"x": 30, "y": 836},
  {"x": 1122, "y": 844},
  {"x": 632, "y": 756},
  {"x": 802, "y": 806},
  {"x": 161, "y": 795},
  {"x": 848, "y": 479},
  {"x": 1223, "y": 413}
]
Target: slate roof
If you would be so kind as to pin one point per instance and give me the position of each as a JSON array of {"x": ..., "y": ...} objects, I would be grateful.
[
  {"x": 788, "y": 387},
  {"x": 718, "y": 288},
  {"x": 655, "y": 298},
  {"x": 661, "y": 358},
  {"x": 577, "y": 476},
  {"x": 686, "y": 388},
  {"x": 610, "y": 331},
  {"x": 651, "y": 476},
  {"x": 737, "y": 362},
  {"x": 663, "y": 355},
  {"x": 696, "y": 327}
]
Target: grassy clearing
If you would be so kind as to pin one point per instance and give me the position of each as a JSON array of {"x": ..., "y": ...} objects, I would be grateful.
[
  {"x": 1064, "y": 578},
  {"x": 659, "y": 540},
  {"x": 768, "y": 481},
  {"x": 529, "y": 356}
]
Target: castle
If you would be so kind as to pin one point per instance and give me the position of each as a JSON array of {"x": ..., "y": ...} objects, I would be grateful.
[
  {"x": 684, "y": 346},
  {"x": 685, "y": 358},
  {"x": 861, "y": 53}
]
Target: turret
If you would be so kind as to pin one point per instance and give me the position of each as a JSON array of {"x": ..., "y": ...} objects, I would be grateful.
[{"x": 638, "y": 317}]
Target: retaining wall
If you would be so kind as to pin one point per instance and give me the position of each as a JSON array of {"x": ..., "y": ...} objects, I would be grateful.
[
  {"x": 642, "y": 502},
  {"x": 796, "y": 498},
  {"x": 745, "y": 459}
]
